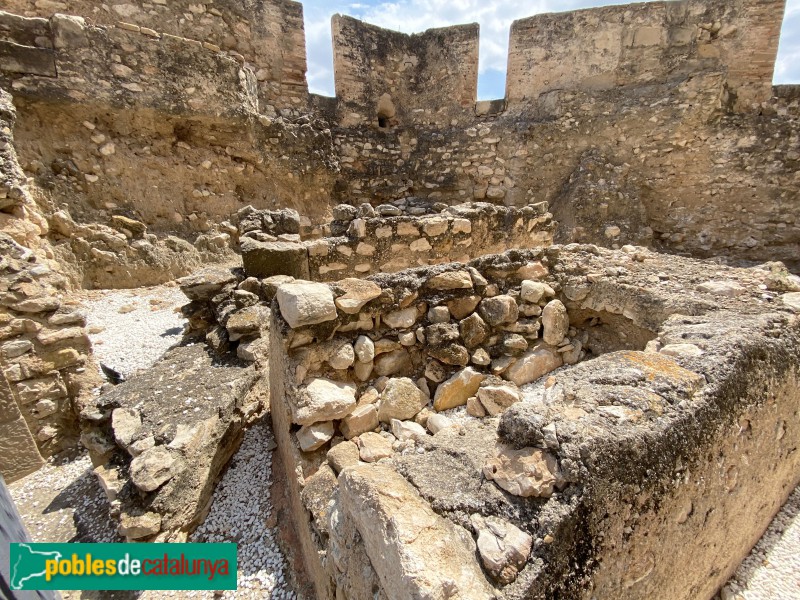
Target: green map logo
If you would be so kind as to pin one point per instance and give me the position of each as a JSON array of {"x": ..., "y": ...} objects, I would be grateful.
[{"x": 123, "y": 566}]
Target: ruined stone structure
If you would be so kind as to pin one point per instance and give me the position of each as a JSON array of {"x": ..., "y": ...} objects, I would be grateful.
[{"x": 462, "y": 409}]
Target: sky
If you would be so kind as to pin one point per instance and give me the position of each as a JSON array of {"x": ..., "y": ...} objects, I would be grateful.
[{"x": 494, "y": 16}]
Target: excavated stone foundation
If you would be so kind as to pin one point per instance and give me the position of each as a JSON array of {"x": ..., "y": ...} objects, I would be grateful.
[{"x": 681, "y": 429}]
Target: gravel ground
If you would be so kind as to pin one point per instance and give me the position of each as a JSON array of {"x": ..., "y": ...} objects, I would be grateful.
[{"x": 131, "y": 329}]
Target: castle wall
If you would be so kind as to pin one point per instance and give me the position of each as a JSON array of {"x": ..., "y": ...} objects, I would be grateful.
[
  {"x": 267, "y": 34},
  {"x": 665, "y": 157},
  {"x": 608, "y": 47},
  {"x": 385, "y": 78}
]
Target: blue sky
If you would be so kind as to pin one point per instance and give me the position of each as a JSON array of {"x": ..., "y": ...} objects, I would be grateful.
[{"x": 494, "y": 16}]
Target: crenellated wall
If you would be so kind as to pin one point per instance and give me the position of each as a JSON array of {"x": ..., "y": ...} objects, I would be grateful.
[
  {"x": 386, "y": 78},
  {"x": 653, "y": 43},
  {"x": 664, "y": 130}
]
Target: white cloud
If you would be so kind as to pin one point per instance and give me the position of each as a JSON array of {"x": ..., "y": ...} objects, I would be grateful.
[{"x": 495, "y": 18}]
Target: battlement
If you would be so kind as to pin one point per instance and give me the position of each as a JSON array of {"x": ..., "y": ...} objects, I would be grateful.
[
  {"x": 651, "y": 43},
  {"x": 390, "y": 78}
]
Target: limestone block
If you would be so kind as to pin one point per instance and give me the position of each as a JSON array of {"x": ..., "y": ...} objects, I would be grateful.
[
  {"x": 265, "y": 259},
  {"x": 401, "y": 399},
  {"x": 323, "y": 400},
  {"x": 414, "y": 551},
  {"x": 305, "y": 303},
  {"x": 533, "y": 364},
  {"x": 456, "y": 390}
]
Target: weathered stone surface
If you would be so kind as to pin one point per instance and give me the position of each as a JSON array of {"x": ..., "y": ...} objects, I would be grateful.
[
  {"x": 247, "y": 321},
  {"x": 401, "y": 319},
  {"x": 455, "y": 391},
  {"x": 126, "y": 423},
  {"x": 555, "y": 321},
  {"x": 324, "y": 400},
  {"x": 343, "y": 357},
  {"x": 392, "y": 363},
  {"x": 401, "y": 399},
  {"x": 474, "y": 330},
  {"x": 533, "y": 364},
  {"x": 499, "y": 310},
  {"x": 407, "y": 430},
  {"x": 364, "y": 418},
  {"x": 451, "y": 280},
  {"x": 503, "y": 547},
  {"x": 372, "y": 447},
  {"x": 205, "y": 284},
  {"x": 792, "y": 300},
  {"x": 687, "y": 350},
  {"x": 311, "y": 437},
  {"x": 436, "y": 423},
  {"x": 153, "y": 468},
  {"x": 305, "y": 303},
  {"x": 527, "y": 472},
  {"x": 463, "y": 307},
  {"x": 422, "y": 555},
  {"x": 534, "y": 291},
  {"x": 265, "y": 259},
  {"x": 357, "y": 293},
  {"x": 364, "y": 349},
  {"x": 496, "y": 398},
  {"x": 722, "y": 288},
  {"x": 140, "y": 526},
  {"x": 343, "y": 455}
]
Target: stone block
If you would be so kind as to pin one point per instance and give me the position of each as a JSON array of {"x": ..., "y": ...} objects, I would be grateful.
[{"x": 265, "y": 259}]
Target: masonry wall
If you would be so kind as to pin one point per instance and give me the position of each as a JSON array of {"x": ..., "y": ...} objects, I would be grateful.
[
  {"x": 603, "y": 48},
  {"x": 674, "y": 161},
  {"x": 366, "y": 245},
  {"x": 44, "y": 349},
  {"x": 267, "y": 34},
  {"x": 385, "y": 78}
]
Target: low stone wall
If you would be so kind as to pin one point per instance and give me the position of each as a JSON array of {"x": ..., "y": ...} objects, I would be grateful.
[
  {"x": 498, "y": 500},
  {"x": 394, "y": 241}
]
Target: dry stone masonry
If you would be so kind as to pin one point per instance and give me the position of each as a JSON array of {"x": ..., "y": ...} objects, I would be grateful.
[{"x": 495, "y": 358}]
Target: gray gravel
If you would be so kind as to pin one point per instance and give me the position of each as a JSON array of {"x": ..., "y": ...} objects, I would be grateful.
[{"x": 131, "y": 329}]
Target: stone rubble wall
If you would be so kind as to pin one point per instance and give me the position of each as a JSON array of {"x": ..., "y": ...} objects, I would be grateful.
[
  {"x": 364, "y": 243},
  {"x": 687, "y": 163},
  {"x": 125, "y": 65},
  {"x": 268, "y": 36},
  {"x": 616, "y": 46},
  {"x": 428, "y": 78},
  {"x": 44, "y": 350},
  {"x": 600, "y": 446}
]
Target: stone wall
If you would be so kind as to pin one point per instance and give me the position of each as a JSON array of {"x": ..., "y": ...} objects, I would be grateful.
[
  {"x": 367, "y": 241},
  {"x": 687, "y": 161},
  {"x": 603, "y": 459},
  {"x": 44, "y": 350},
  {"x": 267, "y": 35},
  {"x": 19, "y": 454},
  {"x": 616, "y": 46},
  {"x": 385, "y": 78}
]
